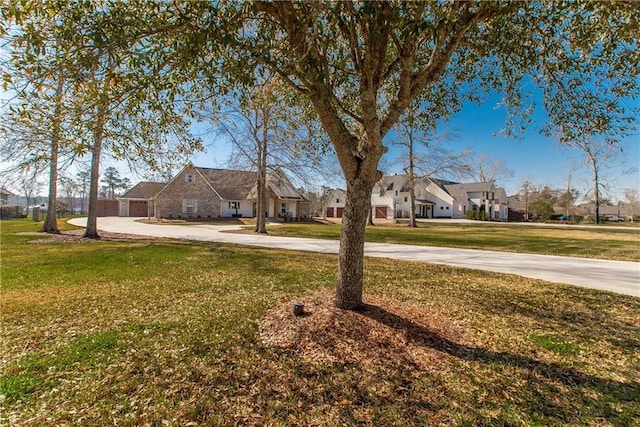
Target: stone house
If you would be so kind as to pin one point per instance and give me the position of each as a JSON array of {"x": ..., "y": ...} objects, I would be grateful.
[
  {"x": 198, "y": 192},
  {"x": 139, "y": 200}
]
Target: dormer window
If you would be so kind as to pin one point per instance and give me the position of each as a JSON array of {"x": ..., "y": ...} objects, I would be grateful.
[{"x": 189, "y": 177}]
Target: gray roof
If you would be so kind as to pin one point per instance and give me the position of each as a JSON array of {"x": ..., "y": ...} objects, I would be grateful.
[
  {"x": 230, "y": 184},
  {"x": 282, "y": 187},
  {"x": 473, "y": 187},
  {"x": 458, "y": 192},
  {"x": 516, "y": 204},
  {"x": 144, "y": 190}
]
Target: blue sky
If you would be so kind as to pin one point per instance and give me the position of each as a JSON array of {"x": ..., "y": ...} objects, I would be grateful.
[{"x": 539, "y": 159}]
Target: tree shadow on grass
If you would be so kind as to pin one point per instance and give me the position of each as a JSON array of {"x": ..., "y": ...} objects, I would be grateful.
[{"x": 421, "y": 336}]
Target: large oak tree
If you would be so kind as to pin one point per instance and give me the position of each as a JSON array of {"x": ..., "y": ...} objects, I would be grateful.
[{"x": 360, "y": 65}]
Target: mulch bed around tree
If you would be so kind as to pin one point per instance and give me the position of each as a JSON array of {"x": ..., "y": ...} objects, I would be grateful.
[
  {"x": 77, "y": 236},
  {"x": 385, "y": 333}
]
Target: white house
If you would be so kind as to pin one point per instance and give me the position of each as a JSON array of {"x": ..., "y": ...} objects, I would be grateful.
[
  {"x": 390, "y": 198},
  {"x": 335, "y": 203},
  {"x": 482, "y": 196},
  {"x": 436, "y": 198}
]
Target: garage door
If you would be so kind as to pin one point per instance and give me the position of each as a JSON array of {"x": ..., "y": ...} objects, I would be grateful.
[
  {"x": 138, "y": 208},
  {"x": 330, "y": 212},
  {"x": 339, "y": 212},
  {"x": 381, "y": 212}
]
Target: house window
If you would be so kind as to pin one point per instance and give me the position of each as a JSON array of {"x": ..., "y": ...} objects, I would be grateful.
[
  {"x": 447, "y": 207},
  {"x": 283, "y": 208},
  {"x": 189, "y": 177},
  {"x": 396, "y": 192},
  {"x": 337, "y": 200},
  {"x": 405, "y": 199},
  {"x": 441, "y": 208},
  {"x": 189, "y": 206},
  {"x": 234, "y": 205}
]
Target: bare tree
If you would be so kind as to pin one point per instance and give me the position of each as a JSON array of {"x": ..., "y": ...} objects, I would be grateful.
[
  {"x": 253, "y": 122},
  {"x": 29, "y": 185},
  {"x": 525, "y": 196},
  {"x": 70, "y": 186},
  {"x": 632, "y": 198},
  {"x": 599, "y": 155},
  {"x": 83, "y": 176},
  {"x": 426, "y": 154},
  {"x": 482, "y": 168},
  {"x": 267, "y": 134}
]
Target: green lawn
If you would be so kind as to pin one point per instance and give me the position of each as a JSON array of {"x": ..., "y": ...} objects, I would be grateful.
[
  {"x": 158, "y": 332},
  {"x": 593, "y": 242}
]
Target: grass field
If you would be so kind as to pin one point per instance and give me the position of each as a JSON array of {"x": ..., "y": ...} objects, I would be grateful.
[
  {"x": 607, "y": 242},
  {"x": 158, "y": 332}
]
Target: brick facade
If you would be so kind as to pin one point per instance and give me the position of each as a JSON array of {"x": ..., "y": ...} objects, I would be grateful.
[
  {"x": 215, "y": 193},
  {"x": 169, "y": 202}
]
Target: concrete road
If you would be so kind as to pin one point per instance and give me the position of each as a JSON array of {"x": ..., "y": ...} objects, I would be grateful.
[{"x": 616, "y": 276}]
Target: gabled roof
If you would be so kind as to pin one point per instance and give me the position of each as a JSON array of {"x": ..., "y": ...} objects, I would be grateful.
[
  {"x": 393, "y": 183},
  {"x": 282, "y": 187},
  {"x": 278, "y": 182},
  {"x": 230, "y": 184},
  {"x": 474, "y": 187},
  {"x": 516, "y": 204},
  {"x": 337, "y": 192},
  {"x": 440, "y": 182},
  {"x": 144, "y": 190},
  {"x": 458, "y": 192},
  {"x": 6, "y": 192}
]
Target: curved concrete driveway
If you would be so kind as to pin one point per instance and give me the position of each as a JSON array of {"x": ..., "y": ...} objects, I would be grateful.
[{"x": 616, "y": 276}]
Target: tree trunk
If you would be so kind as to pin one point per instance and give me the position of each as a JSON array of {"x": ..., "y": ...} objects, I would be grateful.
[
  {"x": 262, "y": 146},
  {"x": 92, "y": 219},
  {"x": 51, "y": 223},
  {"x": 261, "y": 202},
  {"x": 412, "y": 182},
  {"x": 92, "y": 216},
  {"x": 352, "y": 236},
  {"x": 370, "y": 215},
  {"x": 596, "y": 191}
]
